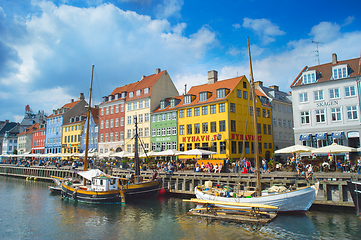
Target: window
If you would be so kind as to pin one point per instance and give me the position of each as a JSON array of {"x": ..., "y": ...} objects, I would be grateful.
[
  {"x": 146, "y": 90},
  {"x": 102, "y": 112},
  {"x": 140, "y": 104},
  {"x": 197, "y": 128},
  {"x": 189, "y": 129},
  {"x": 320, "y": 116},
  {"x": 204, "y": 110},
  {"x": 106, "y": 123},
  {"x": 163, "y": 131},
  {"x": 245, "y": 94},
  {"x": 101, "y": 125},
  {"x": 189, "y": 146},
  {"x": 264, "y": 128},
  {"x": 309, "y": 77},
  {"x": 181, "y": 147},
  {"x": 158, "y": 117},
  {"x": 158, "y": 131},
  {"x": 168, "y": 116},
  {"x": 303, "y": 97},
  {"x": 187, "y": 99},
  {"x": 129, "y": 120},
  {"x": 163, "y": 117},
  {"x": 174, "y": 130},
  {"x": 189, "y": 112},
  {"x": 221, "y": 93},
  {"x": 204, "y": 127},
  {"x": 111, "y": 123},
  {"x": 222, "y": 107},
  {"x": 259, "y": 129},
  {"x": 129, "y": 106},
  {"x": 305, "y": 117},
  {"x": 222, "y": 126},
  {"x": 154, "y": 132},
  {"x": 269, "y": 129},
  {"x": 318, "y": 95},
  {"x": 131, "y": 94},
  {"x": 339, "y": 72},
  {"x": 154, "y": 119},
  {"x": 233, "y": 126},
  {"x": 239, "y": 93},
  {"x": 352, "y": 112},
  {"x": 169, "y": 131},
  {"x": 244, "y": 84},
  {"x": 350, "y": 91},
  {"x": 146, "y": 132},
  {"x": 213, "y": 126},
  {"x": 137, "y": 92},
  {"x": 107, "y": 111},
  {"x": 336, "y": 114},
  {"x": 181, "y": 113},
  {"x": 111, "y": 109},
  {"x": 203, "y": 96},
  {"x": 334, "y": 93},
  {"x": 116, "y": 108},
  {"x": 135, "y": 105},
  {"x": 146, "y": 117},
  {"x": 181, "y": 129},
  {"x": 213, "y": 109},
  {"x": 222, "y": 147},
  {"x": 122, "y": 107},
  {"x": 140, "y": 118},
  {"x": 196, "y": 111}
]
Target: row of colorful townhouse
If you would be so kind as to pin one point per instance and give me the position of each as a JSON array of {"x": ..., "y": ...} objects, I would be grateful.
[{"x": 215, "y": 116}]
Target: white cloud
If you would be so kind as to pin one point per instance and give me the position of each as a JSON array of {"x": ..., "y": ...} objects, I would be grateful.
[
  {"x": 348, "y": 20},
  {"x": 234, "y": 51},
  {"x": 264, "y": 28},
  {"x": 325, "y": 32},
  {"x": 61, "y": 43},
  {"x": 236, "y": 26},
  {"x": 169, "y": 8}
]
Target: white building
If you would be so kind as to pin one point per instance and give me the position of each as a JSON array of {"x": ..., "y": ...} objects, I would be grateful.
[{"x": 326, "y": 104}]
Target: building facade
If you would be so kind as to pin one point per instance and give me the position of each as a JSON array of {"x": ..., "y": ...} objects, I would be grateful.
[
  {"x": 8, "y": 136},
  {"x": 282, "y": 114},
  {"x": 93, "y": 132},
  {"x": 25, "y": 139},
  {"x": 217, "y": 116},
  {"x": 60, "y": 116},
  {"x": 326, "y": 104},
  {"x": 72, "y": 133},
  {"x": 39, "y": 138}
]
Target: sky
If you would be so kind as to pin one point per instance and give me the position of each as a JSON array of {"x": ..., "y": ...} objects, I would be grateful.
[{"x": 47, "y": 48}]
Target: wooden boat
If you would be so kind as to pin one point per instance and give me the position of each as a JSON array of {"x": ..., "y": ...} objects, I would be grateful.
[
  {"x": 57, "y": 187},
  {"x": 296, "y": 200},
  {"x": 230, "y": 212},
  {"x": 355, "y": 191},
  {"x": 102, "y": 189}
]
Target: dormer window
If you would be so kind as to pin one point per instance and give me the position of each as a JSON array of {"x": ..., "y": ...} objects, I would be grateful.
[
  {"x": 172, "y": 103},
  {"x": 340, "y": 71},
  {"x": 203, "y": 96},
  {"x": 162, "y": 105},
  {"x": 110, "y": 98},
  {"x": 124, "y": 94},
  {"x": 222, "y": 92},
  {"x": 116, "y": 96},
  {"x": 309, "y": 77},
  {"x": 131, "y": 94},
  {"x": 146, "y": 90},
  {"x": 138, "y": 92},
  {"x": 187, "y": 99}
]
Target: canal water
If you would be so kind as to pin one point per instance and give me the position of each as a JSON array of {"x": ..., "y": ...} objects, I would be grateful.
[{"x": 29, "y": 211}]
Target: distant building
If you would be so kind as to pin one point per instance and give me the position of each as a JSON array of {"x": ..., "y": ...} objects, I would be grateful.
[
  {"x": 8, "y": 136},
  {"x": 93, "y": 132},
  {"x": 282, "y": 115},
  {"x": 72, "y": 132},
  {"x": 326, "y": 104},
  {"x": 31, "y": 118},
  {"x": 60, "y": 116},
  {"x": 25, "y": 139},
  {"x": 38, "y": 144}
]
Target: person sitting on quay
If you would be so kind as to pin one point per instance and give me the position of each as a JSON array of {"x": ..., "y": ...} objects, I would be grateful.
[
  {"x": 244, "y": 170},
  {"x": 202, "y": 167},
  {"x": 309, "y": 171},
  {"x": 299, "y": 168},
  {"x": 220, "y": 168},
  {"x": 197, "y": 168},
  {"x": 215, "y": 168},
  {"x": 339, "y": 167},
  {"x": 325, "y": 166}
]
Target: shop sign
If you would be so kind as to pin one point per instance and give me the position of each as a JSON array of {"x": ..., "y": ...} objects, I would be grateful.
[
  {"x": 162, "y": 139},
  {"x": 329, "y": 103},
  {"x": 236, "y": 136}
]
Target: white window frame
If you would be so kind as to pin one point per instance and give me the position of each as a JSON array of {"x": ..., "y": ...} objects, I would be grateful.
[
  {"x": 303, "y": 98},
  {"x": 334, "y": 93},
  {"x": 305, "y": 117},
  {"x": 318, "y": 95}
]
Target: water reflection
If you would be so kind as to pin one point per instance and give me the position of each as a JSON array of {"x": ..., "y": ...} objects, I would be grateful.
[{"x": 30, "y": 211}]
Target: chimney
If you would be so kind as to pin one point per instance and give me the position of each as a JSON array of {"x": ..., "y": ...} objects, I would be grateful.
[
  {"x": 258, "y": 83},
  {"x": 7, "y": 121},
  {"x": 72, "y": 100},
  {"x": 81, "y": 96},
  {"x": 143, "y": 76},
  {"x": 212, "y": 76},
  {"x": 334, "y": 58},
  {"x": 157, "y": 70},
  {"x": 274, "y": 87}
]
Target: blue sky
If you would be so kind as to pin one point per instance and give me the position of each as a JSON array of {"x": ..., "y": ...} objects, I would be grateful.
[{"x": 47, "y": 47}]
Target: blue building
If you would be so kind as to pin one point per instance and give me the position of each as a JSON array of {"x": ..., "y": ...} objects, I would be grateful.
[{"x": 93, "y": 132}]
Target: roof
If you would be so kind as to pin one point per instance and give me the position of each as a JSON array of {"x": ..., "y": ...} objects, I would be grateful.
[
  {"x": 68, "y": 105},
  {"x": 167, "y": 107},
  {"x": 6, "y": 126},
  {"x": 95, "y": 114},
  {"x": 30, "y": 129},
  {"x": 195, "y": 90},
  {"x": 274, "y": 94},
  {"x": 325, "y": 70}
]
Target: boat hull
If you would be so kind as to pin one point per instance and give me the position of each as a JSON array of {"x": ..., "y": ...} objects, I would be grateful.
[
  {"x": 95, "y": 197},
  {"x": 355, "y": 191},
  {"x": 147, "y": 189},
  {"x": 299, "y": 200}
]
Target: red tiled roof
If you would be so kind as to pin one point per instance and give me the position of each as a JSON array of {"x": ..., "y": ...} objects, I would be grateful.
[
  {"x": 68, "y": 105},
  {"x": 168, "y": 108},
  {"x": 325, "y": 70},
  {"x": 30, "y": 129},
  {"x": 195, "y": 90}
]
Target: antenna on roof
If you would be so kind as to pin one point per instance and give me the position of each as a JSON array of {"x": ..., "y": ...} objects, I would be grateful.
[{"x": 317, "y": 52}]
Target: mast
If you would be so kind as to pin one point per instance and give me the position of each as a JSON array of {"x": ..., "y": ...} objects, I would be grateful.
[
  {"x": 87, "y": 126},
  {"x": 136, "y": 157},
  {"x": 256, "y": 153}
]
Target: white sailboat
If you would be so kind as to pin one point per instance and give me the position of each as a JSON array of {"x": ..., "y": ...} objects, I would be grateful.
[{"x": 287, "y": 200}]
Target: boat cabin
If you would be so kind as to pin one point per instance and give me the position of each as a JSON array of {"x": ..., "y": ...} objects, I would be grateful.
[{"x": 104, "y": 183}]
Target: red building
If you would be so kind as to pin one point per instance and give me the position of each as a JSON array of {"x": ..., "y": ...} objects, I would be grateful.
[{"x": 38, "y": 143}]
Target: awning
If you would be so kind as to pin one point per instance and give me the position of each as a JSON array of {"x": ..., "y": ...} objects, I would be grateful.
[
  {"x": 353, "y": 135},
  {"x": 320, "y": 136},
  {"x": 337, "y": 135},
  {"x": 305, "y": 137}
]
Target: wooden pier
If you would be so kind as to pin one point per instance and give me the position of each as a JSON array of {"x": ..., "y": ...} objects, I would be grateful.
[{"x": 333, "y": 186}]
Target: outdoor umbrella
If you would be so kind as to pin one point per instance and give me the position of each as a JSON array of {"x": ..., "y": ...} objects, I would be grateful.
[
  {"x": 335, "y": 149},
  {"x": 119, "y": 154},
  {"x": 169, "y": 152},
  {"x": 197, "y": 152},
  {"x": 295, "y": 149}
]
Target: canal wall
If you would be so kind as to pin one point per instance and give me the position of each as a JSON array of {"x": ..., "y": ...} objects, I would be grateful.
[{"x": 333, "y": 186}]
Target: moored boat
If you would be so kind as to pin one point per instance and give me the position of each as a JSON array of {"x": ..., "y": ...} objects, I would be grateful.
[{"x": 294, "y": 200}]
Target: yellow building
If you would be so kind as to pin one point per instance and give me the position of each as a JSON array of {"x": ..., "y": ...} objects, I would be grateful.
[
  {"x": 217, "y": 116},
  {"x": 72, "y": 132}
]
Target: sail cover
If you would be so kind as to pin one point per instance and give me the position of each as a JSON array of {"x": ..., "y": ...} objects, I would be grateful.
[{"x": 91, "y": 173}]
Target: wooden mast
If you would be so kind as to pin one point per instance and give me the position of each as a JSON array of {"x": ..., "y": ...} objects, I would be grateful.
[
  {"x": 136, "y": 157},
  {"x": 87, "y": 126},
  {"x": 256, "y": 153}
]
